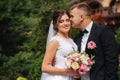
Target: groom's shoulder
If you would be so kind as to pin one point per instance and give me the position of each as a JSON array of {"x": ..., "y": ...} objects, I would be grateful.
[
  {"x": 100, "y": 27},
  {"x": 103, "y": 29}
]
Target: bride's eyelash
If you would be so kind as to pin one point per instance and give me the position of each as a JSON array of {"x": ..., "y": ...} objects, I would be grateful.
[
  {"x": 61, "y": 21},
  {"x": 67, "y": 20}
]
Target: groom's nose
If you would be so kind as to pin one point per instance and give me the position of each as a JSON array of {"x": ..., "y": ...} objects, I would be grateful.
[{"x": 70, "y": 18}]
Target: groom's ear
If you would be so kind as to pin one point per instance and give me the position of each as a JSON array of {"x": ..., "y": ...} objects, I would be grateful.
[{"x": 81, "y": 17}]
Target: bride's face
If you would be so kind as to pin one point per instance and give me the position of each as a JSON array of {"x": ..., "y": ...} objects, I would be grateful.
[{"x": 64, "y": 24}]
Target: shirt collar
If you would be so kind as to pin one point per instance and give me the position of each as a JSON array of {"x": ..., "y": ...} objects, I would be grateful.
[{"x": 88, "y": 28}]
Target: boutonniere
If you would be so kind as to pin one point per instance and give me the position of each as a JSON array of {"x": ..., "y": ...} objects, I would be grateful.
[{"x": 91, "y": 45}]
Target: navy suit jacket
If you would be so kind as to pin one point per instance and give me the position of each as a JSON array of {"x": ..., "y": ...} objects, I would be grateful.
[{"x": 106, "y": 53}]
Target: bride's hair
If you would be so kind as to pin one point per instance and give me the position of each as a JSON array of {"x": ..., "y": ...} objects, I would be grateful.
[{"x": 57, "y": 14}]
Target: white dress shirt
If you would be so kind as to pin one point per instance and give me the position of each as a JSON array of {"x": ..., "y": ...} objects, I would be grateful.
[
  {"x": 83, "y": 46},
  {"x": 85, "y": 37}
]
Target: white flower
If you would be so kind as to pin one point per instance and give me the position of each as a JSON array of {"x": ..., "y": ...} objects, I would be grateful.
[
  {"x": 68, "y": 63},
  {"x": 88, "y": 68},
  {"x": 77, "y": 59}
]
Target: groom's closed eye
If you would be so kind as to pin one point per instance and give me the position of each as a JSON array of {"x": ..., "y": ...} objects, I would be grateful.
[{"x": 71, "y": 16}]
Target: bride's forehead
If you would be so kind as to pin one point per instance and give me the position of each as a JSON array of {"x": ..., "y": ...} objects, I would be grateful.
[{"x": 64, "y": 16}]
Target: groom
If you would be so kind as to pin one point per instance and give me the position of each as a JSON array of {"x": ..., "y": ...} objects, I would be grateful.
[{"x": 105, "y": 51}]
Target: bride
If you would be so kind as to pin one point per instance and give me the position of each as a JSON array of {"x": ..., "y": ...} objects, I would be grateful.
[{"x": 58, "y": 46}]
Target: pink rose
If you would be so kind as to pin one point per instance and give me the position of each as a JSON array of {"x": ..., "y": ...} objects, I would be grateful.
[
  {"x": 91, "y": 45},
  {"x": 89, "y": 62},
  {"x": 83, "y": 68},
  {"x": 70, "y": 59}
]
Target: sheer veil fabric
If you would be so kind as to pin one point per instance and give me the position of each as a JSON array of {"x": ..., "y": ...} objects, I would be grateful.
[{"x": 51, "y": 32}]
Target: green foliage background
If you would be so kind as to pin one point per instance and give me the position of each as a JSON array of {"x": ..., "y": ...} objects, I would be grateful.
[{"x": 24, "y": 26}]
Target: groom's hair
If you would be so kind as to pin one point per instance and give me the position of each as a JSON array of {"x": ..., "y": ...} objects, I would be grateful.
[{"x": 83, "y": 7}]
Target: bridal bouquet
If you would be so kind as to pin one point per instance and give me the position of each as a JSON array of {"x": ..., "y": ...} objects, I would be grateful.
[{"x": 80, "y": 62}]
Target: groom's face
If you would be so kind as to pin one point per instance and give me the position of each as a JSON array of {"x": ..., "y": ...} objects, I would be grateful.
[{"x": 75, "y": 18}]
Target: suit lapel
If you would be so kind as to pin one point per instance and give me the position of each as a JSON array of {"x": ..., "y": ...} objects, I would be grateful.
[
  {"x": 91, "y": 36},
  {"x": 78, "y": 41}
]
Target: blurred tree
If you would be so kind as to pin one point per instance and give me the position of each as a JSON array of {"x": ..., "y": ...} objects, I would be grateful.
[{"x": 23, "y": 31}]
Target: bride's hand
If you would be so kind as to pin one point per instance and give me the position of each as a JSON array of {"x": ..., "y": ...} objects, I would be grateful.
[
  {"x": 72, "y": 73},
  {"x": 76, "y": 76}
]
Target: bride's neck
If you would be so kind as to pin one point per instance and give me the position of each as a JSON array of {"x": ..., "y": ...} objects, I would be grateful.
[{"x": 64, "y": 35}]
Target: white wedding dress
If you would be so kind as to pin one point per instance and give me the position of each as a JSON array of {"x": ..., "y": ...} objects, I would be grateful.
[{"x": 65, "y": 47}]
